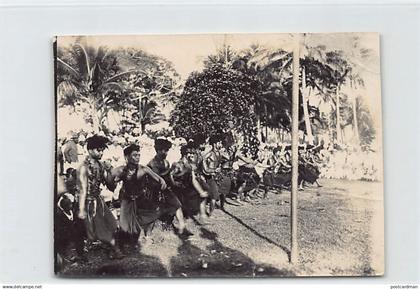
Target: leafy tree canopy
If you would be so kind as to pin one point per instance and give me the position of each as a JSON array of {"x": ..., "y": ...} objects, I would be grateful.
[{"x": 214, "y": 97}]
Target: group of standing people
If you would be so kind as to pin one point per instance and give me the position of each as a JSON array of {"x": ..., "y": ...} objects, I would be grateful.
[{"x": 210, "y": 173}]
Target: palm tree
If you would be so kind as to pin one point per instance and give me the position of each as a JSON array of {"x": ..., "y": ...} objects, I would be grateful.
[
  {"x": 366, "y": 127},
  {"x": 154, "y": 85},
  {"x": 336, "y": 59},
  {"x": 271, "y": 68},
  {"x": 361, "y": 59},
  {"x": 91, "y": 76},
  {"x": 106, "y": 79},
  {"x": 324, "y": 69},
  {"x": 225, "y": 56},
  {"x": 149, "y": 113},
  {"x": 355, "y": 81}
]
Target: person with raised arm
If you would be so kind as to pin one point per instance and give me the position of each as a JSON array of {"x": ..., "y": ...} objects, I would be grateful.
[{"x": 140, "y": 206}]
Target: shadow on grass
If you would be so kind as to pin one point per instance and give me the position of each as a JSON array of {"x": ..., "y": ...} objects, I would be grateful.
[
  {"x": 134, "y": 265},
  {"x": 286, "y": 250},
  {"x": 218, "y": 260}
]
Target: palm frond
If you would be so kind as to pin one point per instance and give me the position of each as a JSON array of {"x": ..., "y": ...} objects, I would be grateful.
[
  {"x": 68, "y": 66},
  {"x": 86, "y": 58},
  {"x": 115, "y": 77}
]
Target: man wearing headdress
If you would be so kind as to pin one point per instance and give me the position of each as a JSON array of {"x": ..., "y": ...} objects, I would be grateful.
[
  {"x": 197, "y": 146},
  {"x": 187, "y": 185},
  {"x": 160, "y": 165},
  {"x": 99, "y": 222},
  {"x": 140, "y": 206},
  {"x": 226, "y": 176},
  {"x": 247, "y": 177},
  {"x": 198, "y": 142},
  {"x": 212, "y": 169}
]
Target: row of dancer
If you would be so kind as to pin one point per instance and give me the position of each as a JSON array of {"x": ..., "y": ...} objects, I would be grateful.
[
  {"x": 278, "y": 171},
  {"x": 191, "y": 187}
]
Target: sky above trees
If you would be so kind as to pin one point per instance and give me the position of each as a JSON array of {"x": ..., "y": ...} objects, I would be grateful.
[{"x": 188, "y": 52}]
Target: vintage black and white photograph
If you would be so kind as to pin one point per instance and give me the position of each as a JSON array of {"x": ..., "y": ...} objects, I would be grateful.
[{"x": 218, "y": 155}]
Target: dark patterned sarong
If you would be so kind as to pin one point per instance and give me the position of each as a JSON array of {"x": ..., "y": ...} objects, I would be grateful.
[
  {"x": 248, "y": 176},
  {"x": 308, "y": 173},
  {"x": 100, "y": 222}
]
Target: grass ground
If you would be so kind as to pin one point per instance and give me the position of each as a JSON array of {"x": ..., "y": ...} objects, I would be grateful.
[{"x": 340, "y": 233}]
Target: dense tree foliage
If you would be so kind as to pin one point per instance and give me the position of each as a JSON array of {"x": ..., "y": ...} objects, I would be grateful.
[{"x": 214, "y": 97}]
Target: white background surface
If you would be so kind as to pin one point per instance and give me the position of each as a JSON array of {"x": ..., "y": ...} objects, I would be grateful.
[{"x": 27, "y": 112}]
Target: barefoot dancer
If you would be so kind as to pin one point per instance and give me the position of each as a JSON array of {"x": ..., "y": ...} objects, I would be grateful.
[
  {"x": 161, "y": 166},
  {"x": 139, "y": 205},
  {"x": 186, "y": 184},
  {"x": 212, "y": 170},
  {"x": 99, "y": 222},
  {"x": 248, "y": 178}
]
